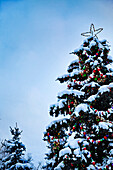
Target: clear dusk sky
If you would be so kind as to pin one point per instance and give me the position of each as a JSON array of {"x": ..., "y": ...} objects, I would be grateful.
[{"x": 36, "y": 37}]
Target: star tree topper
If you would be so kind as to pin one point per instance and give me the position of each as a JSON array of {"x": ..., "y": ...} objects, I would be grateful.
[{"x": 92, "y": 32}]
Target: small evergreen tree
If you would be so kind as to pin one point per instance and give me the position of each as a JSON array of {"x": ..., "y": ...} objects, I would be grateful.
[
  {"x": 3, "y": 152},
  {"x": 14, "y": 153},
  {"x": 83, "y": 138}
]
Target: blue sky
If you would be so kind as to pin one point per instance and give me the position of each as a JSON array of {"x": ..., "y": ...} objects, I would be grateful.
[{"x": 36, "y": 38}]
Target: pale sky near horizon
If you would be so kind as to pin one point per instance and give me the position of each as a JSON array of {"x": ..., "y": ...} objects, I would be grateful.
[{"x": 36, "y": 38}]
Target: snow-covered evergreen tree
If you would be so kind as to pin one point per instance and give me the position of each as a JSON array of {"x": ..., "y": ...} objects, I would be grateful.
[
  {"x": 83, "y": 138},
  {"x": 14, "y": 158},
  {"x": 3, "y": 152}
]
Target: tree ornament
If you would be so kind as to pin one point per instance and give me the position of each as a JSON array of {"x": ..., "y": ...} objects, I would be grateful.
[{"x": 92, "y": 32}]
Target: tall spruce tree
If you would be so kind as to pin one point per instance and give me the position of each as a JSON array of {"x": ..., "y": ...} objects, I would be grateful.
[
  {"x": 13, "y": 158},
  {"x": 83, "y": 138}
]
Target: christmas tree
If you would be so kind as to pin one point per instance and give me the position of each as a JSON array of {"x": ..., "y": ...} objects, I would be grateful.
[
  {"x": 13, "y": 158},
  {"x": 83, "y": 138}
]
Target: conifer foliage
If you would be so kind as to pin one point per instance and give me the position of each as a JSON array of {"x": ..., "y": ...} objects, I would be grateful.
[
  {"x": 14, "y": 153},
  {"x": 83, "y": 138}
]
